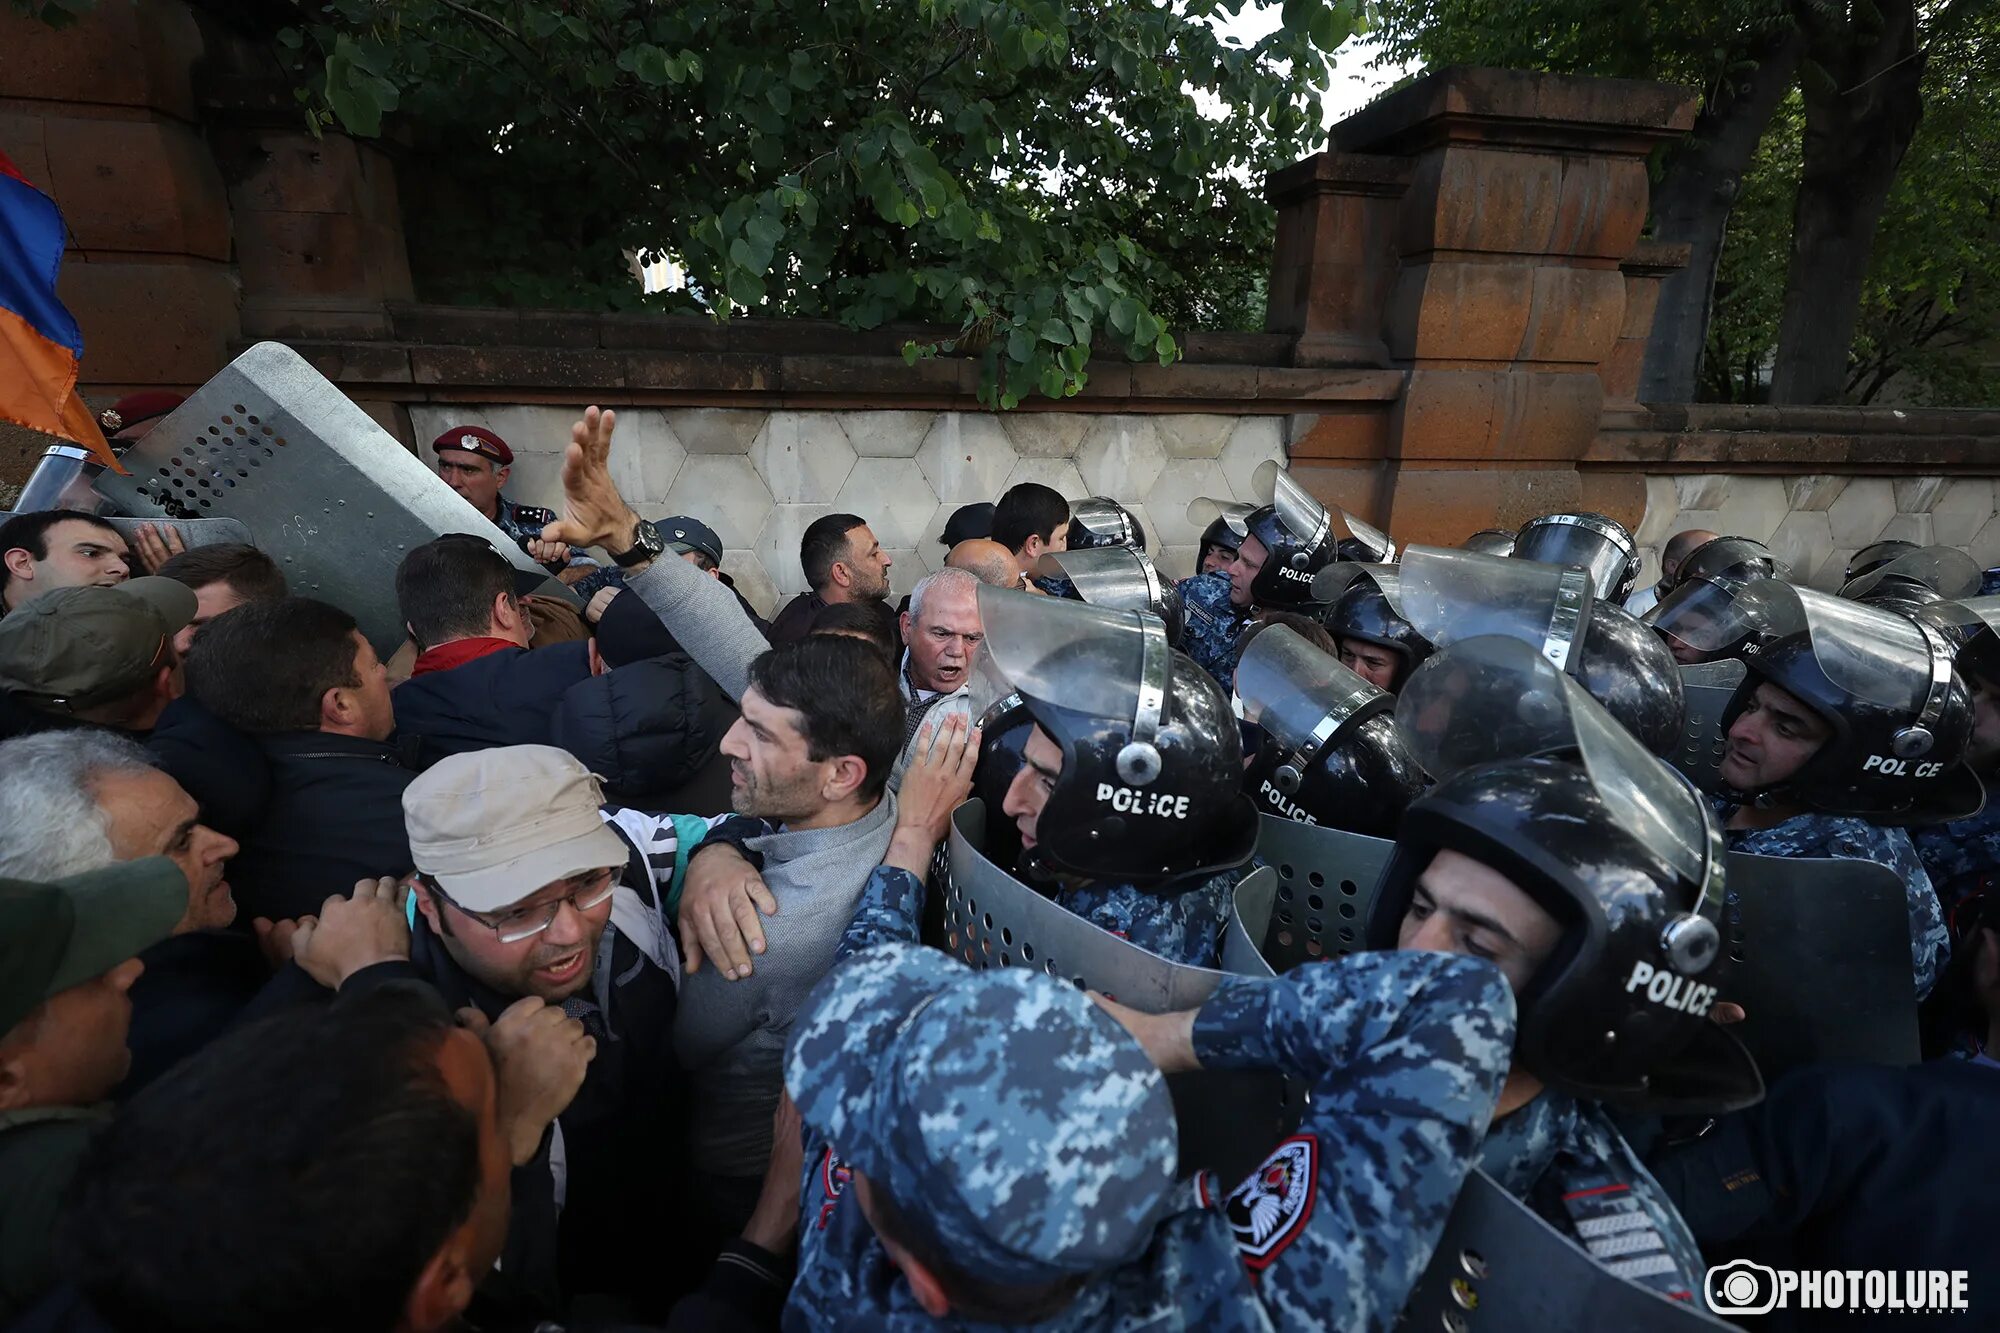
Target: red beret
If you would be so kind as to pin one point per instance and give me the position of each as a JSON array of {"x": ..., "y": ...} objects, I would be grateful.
[
  {"x": 475, "y": 440},
  {"x": 134, "y": 408}
]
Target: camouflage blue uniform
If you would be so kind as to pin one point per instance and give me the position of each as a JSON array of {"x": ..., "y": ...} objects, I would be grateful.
[
  {"x": 1182, "y": 922},
  {"x": 1846, "y": 838},
  {"x": 1989, "y": 582},
  {"x": 1567, "y": 1161},
  {"x": 1051, "y": 1153},
  {"x": 1960, "y": 856},
  {"x": 1214, "y": 624},
  {"x": 525, "y": 522}
]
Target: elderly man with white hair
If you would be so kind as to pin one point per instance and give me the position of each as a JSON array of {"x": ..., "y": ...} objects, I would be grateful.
[{"x": 942, "y": 634}]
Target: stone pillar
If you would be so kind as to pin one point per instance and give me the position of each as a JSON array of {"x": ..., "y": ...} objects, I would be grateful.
[
  {"x": 1335, "y": 256},
  {"x": 1527, "y": 194},
  {"x": 1650, "y": 264}
]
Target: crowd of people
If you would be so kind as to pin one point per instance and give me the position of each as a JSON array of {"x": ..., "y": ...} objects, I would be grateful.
[{"x": 589, "y": 966}]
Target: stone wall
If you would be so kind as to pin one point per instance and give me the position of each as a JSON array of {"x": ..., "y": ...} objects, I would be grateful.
[{"x": 760, "y": 477}]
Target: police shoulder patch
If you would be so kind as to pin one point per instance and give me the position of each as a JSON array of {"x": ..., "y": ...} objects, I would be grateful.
[
  {"x": 1269, "y": 1209},
  {"x": 833, "y": 1177}
]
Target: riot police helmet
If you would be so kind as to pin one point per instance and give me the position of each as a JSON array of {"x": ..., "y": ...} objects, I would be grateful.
[
  {"x": 1122, "y": 578},
  {"x": 1151, "y": 780},
  {"x": 1101, "y": 521},
  {"x": 1364, "y": 603},
  {"x": 1490, "y": 541},
  {"x": 1942, "y": 570},
  {"x": 1595, "y": 543},
  {"x": 1538, "y": 783},
  {"x": 1873, "y": 556},
  {"x": 1709, "y": 580},
  {"x": 1329, "y": 754},
  {"x": 1224, "y": 527},
  {"x": 1971, "y": 625},
  {"x": 1451, "y": 595},
  {"x": 1737, "y": 559},
  {"x": 1300, "y": 537}
]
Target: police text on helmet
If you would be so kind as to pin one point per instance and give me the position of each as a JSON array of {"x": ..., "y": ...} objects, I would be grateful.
[{"x": 1669, "y": 988}]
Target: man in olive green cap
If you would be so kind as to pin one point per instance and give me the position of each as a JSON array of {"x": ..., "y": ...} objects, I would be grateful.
[
  {"x": 93, "y": 656},
  {"x": 67, "y": 959}
]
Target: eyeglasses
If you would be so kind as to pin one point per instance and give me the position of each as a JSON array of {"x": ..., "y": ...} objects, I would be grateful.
[{"x": 521, "y": 923}]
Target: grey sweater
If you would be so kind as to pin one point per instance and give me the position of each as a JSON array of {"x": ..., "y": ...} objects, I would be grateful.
[
  {"x": 705, "y": 617},
  {"x": 731, "y": 1035}
]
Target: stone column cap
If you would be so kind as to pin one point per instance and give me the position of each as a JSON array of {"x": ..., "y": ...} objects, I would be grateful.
[
  {"x": 1339, "y": 173},
  {"x": 1509, "y": 108}
]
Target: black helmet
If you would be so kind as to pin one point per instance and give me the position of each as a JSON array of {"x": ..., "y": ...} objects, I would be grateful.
[
  {"x": 1899, "y": 598},
  {"x": 1905, "y": 578},
  {"x": 1900, "y": 716},
  {"x": 1364, "y": 602},
  {"x": 1692, "y": 619},
  {"x": 1330, "y": 755},
  {"x": 1737, "y": 559},
  {"x": 1594, "y": 543},
  {"x": 1151, "y": 785},
  {"x": 1225, "y": 526},
  {"x": 1489, "y": 541},
  {"x": 1101, "y": 521},
  {"x": 1451, "y": 595},
  {"x": 1872, "y": 557},
  {"x": 1971, "y": 626},
  {"x": 1538, "y": 783},
  {"x": 1301, "y": 537},
  {"x": 1122, "y": 578}
]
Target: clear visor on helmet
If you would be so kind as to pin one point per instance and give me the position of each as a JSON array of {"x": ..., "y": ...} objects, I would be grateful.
[
  {"x": 1697, "y": 613},
  {"x": 1308, "y": 519},
  {"x": 1331, "y": 582},
  {"x": 1105, "y": 520},
  {"x": 1297, "y": 693},
  {"x": 1965, "y": 619},
  {"x": 1942, "y": 569},
  {"x": 1202, "y": 511},
  {"x": 1451, "y": 595},
  {"x": 1591, "y": 542},
  {"x": 1871, "y": 654},
  {"x": 1737, "y": 558},
  {"x": 1489, "y": 699},
  {"x": 1117, "y": 577},
  {"x": 1490, "y": 541},
  {"x": 1072, "y": 655}
]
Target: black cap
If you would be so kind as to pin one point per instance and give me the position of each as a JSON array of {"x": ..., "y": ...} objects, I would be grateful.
[
  {"x": 968, "y": 522},
  {"x": 683, "y": 534}
]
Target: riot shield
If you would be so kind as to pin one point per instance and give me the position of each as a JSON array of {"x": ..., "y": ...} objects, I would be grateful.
[
  {"x": 193, "y": 531},
  {"x": 1707, "y": 689},
  {"x": 1229, "y": 1119},
  {"x": 1822, "y": 953},
  {"x": 1499, "y": 1267},
  {"x": 1325, "y": 882},
  {"x": 323, "y": 489}
]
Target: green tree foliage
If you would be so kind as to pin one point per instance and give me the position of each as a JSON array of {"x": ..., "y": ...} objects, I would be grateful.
[{"x": 1049, "y": 177}]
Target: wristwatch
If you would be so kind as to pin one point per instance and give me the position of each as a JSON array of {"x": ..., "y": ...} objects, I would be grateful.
[{"x": 646, "y": 546}]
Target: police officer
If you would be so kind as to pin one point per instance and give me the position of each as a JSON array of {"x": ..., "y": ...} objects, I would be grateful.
[
  {"x": 1849, "y": 723},
  {"x": 1962, "y": 856},
  {"x": 1284, "y": 543},
  {"x": 1451, "y": 595},
  {"x": 1706, "y": 580},
  {"x": 475, "y": 462},
  {"x": 994, "y": 1147},
  {"x": 1595, "y": 543},
  {"x": 1221, "y": 537},
  {"x": 1557, "y": 847},
  {"x": 1128, "y": 797},
  {"x": 1376, "y": 641},
  {"x": 1915, "y": 579},
  {"x": 1875, "y": 555},
  {"x": 1122, "y": 578},
  {"x": 1328, "y": 752}
]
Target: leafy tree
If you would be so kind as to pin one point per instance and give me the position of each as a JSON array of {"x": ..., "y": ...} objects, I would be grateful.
[{"x": 1051, "y": 177}]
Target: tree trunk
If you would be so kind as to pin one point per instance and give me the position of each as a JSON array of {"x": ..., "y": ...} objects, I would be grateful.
[
  {"x": 1692, "y": 203},
  {"x": 1859, "y": 121}
]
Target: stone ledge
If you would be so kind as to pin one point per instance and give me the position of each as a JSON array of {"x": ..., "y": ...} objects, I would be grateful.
[
  {"x": 1723, "y": 437},
  {"x": 1467, "y": 104}
]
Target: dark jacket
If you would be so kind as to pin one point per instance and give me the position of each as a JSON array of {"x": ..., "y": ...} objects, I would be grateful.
[
  {"x": 1853, "y": 1167},
  {"x": 39, "y": 1152},
  {"x": 648, "y": 728},
  {"x": 795, "y": 618},
  {"x": 18, "y": 719},
  {"x": 219, "y": 766},
  {"x": 194, "y": 988},
  {"x": 334, "y": 815}
]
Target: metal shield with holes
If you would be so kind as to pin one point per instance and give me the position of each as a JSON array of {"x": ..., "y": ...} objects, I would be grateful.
[
  {"x": 1325, "y": 884},
  {"x": 323, "y": 489},
  {"x": 1499, "y": 1268},
  {"x": 1706, "y": 688},
  {"x": 1822, "y": 955},
  {"x": 1229, "y": 1119}
]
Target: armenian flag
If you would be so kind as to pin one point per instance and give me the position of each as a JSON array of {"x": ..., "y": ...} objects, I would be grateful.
[{"x": 40, "y": 344}]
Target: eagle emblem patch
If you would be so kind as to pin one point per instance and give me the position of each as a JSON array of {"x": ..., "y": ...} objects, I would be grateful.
[{"x": 1268, "y": 1210}]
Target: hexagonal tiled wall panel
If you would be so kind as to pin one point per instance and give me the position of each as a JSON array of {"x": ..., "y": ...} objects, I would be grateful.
[
  {"x": 1254, "y": 440},
  {"x": 1175, "y": 562},
  {"x": 906, "y": 569},
  {"x": 777, "y": 546},
  {"x": 747, "y": 572},
  {"x": 646, "y": 458},
  {"x": 1753, "y": 507},
  {"x": 966, "y": 458},
  {"x": 1803, "y": 541},
  {"x": 716, "y": 430},
  {"x": 1865, "y": 506},
  {"x": 887, "y": 434},
  {"x": 896, "y": 504},
  {"x": 1121, "y": 457},
  {"x": 1183, "y": 480},
  {"x": 1194, "y": 434},
  {"x": 804, "y": 457},
  {"x": 1045, "y": 434},
  {"x": 725, "y": 492},
  {"x": 1058, "y": 474},
  {"x": 1985, "y": 544},
  {"x": 1961, "y": 510}
]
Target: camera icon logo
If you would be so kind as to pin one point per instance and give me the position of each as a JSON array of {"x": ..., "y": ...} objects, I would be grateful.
[{"x": 1741, "y": 1287}]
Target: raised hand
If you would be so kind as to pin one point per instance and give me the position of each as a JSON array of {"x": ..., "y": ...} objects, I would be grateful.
[
  {"x": 594, "y": 513},
  {"x": 936, "y": 783},
  {"x": 153, "y": 546}
]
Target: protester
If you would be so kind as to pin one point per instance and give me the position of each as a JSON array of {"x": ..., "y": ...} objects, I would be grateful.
[
  {"x": 649, "y": 726},
  {"x": 58, "y": 548},
  {"x": 297, "y": 676},
  {"x": 68, "y": 956},
  {"x": 843, "y": 562},
  {"x": 71, "y": 803},
  {"x": 223, "y": 577},
  {"x": 943, "y": 632},
  {"x": 989, "y": 562},
  {"x": 93, "y": 657},
  {"x": 1031, "y": 520},
  {"x": 871, "y": 622},
  {"x": 1678, "y": 548},
  {"x": 973, "y": 522}
]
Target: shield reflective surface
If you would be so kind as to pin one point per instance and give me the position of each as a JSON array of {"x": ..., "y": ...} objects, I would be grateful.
[
  {"x": 1707, "y": 689},
  {"x": 322, "y": 489},
  {"x": 1822, "y": 954},
  {"x": 1599, "y": 546},
  {"x": 1325, "y": 881},
  {"x": 1499, "y": 1267},
  {"x": 1229, "y": 1119}
]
